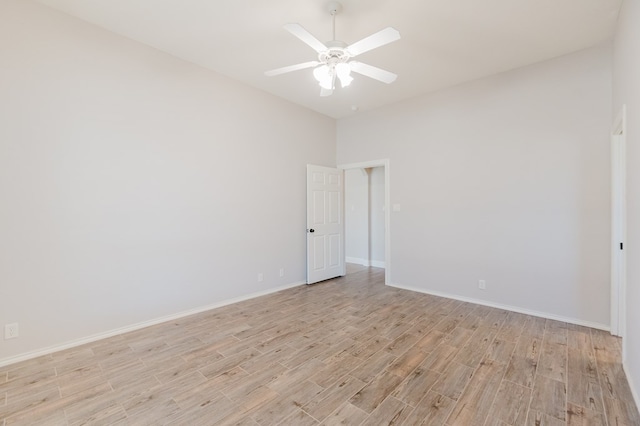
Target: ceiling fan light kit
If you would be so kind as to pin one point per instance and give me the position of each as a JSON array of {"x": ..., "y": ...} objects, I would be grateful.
[{"x": 334, "y": 56}]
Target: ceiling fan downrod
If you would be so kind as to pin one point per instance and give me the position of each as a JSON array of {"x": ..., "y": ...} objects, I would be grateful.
[{"x": 334, "y": 8}]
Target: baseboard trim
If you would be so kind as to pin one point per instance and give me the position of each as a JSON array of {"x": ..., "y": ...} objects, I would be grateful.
[
  {"x": 365, "y": 262},
  {"x": 506, "y": 307},
  {"x": 634, "y": 391},
  {"x": 99, "y": 336},
  {"x": 357, "y": 261}
]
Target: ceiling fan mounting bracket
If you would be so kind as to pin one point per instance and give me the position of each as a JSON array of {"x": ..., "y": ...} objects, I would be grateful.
[{"x": 334, "y": 8}]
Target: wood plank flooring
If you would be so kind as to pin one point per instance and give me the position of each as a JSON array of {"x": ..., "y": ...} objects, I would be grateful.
[{"x": 345, "y": 351}]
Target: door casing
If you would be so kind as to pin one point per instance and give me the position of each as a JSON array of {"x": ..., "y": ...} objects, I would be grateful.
[{"x": 618, "y": 225}]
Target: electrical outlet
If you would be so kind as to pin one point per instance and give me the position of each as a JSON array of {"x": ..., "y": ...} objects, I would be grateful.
[
  {"x": 282, "y": 272},
  {"x": 260, "y": 277},
  {"x": 482, "y": 285},
  {"x": 11, "y": 331}
]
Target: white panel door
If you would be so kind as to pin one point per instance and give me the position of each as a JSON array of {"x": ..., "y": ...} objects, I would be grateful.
[{"x": 325, "y": 223}]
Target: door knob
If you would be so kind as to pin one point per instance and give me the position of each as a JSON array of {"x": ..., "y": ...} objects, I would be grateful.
[{"x": 312, "y": 230}]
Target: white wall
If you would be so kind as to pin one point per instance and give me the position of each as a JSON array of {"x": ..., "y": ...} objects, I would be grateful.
[
  {"x": 508, "y": 176},
  {"x": 626, "y": 90},
  {"x": 364, "y": 216},
  {"x": 135, "y": 185},
  {"x": 356, "y": 217}
]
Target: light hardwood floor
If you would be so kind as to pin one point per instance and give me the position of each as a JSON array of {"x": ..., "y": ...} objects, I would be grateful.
[{"x": 346, "y": 351}]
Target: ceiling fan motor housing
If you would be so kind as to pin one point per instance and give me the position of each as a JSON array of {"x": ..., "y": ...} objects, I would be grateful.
[{"x": 335, "y": 54}]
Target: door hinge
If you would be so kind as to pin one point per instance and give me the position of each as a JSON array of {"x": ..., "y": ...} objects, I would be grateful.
[{"x": 621, "y": 246}]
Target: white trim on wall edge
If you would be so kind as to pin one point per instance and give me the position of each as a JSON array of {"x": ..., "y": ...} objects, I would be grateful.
[
  {"x": 138, "y": 326},
  {"x": 365, "y": 262},
  {"x": 506, "y": 307},
  {"x": 634, "y": 392}
]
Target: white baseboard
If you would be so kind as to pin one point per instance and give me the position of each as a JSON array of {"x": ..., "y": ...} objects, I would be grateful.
[
  {"x": 133, "y": 327},
  {"x": 634, "y": 391},
  {"x": 365, "y": 262},
  {"x": 506, "y": 307}
]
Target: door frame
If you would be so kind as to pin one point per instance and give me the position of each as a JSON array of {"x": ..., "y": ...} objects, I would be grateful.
[
  {"x": 618, "y": 225},
  {"x": 387, "y": 207}
]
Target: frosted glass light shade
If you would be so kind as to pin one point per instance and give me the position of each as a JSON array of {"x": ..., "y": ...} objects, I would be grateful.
[
  {"x": 343, "y": 70},
  {"x": 324, "y": 77}
]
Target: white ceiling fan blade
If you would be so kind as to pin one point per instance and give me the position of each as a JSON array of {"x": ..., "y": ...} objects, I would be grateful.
[
  {"x": 304, "y": 35},
  {"x": 290, "y": 68},
  {"x": 373, "y": 72},
  {"x": 378, "y": 39}
]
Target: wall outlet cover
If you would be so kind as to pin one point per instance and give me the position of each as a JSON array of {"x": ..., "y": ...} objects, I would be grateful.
[{"x": 11, "y": 331}]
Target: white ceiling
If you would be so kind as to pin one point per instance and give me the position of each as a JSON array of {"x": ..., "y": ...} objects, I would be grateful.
[{"x": 444, "y": 42}]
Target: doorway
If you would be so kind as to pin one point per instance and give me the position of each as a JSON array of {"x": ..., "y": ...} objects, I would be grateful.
[{"x": 367, "y": 218}]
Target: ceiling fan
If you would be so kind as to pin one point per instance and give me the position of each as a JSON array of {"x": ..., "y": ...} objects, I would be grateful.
[{"x": 334, "y": 57}]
